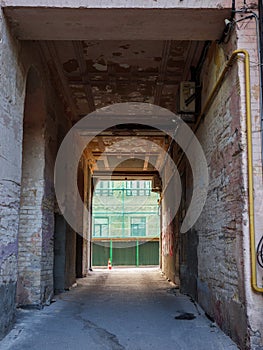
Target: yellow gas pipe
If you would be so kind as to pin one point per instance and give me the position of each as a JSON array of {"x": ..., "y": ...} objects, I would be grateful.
[
  {"x": 250, "y": 174},
  {"x": 249, "y": 152}
]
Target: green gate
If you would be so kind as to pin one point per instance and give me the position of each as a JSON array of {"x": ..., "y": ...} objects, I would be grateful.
[{"x": 125, "y": 252}]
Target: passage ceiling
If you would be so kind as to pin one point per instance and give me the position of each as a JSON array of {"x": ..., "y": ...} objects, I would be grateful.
[
  {"x": 94, "y": 74},
  {"x": 105, "y": 52},
  {"x": 108, "y": 20}
]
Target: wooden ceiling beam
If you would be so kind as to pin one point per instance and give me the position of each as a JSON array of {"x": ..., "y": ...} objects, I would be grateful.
[
  {"x": 49, "y": 50},
  {"x": 127, "y": 74},
  {"x": 120, "y": 81}
]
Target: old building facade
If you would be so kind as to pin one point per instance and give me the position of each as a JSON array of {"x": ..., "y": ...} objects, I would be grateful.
[{"x": 61, "y": 60}]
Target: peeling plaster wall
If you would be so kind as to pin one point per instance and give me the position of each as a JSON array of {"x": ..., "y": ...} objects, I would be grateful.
[
  {"x": 223, "y": 276},
  {"x": 224, "y": 287},
  {"x": 37, "y": 210},
  {"x": 32, "y": 192},
  {"x": 11, "y": 111},
  {"x": 30, "y": 225},
  {"x": 246, "y": 38},
  {"x": 220, "y": 281},
  {"x": 37, "y": 223},
  {"x": 221, "y": 234}
]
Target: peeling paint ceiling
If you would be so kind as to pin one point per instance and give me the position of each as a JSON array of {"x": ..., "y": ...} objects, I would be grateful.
[
  {"x": 94, "y": 74},
  {"x": 99, "y": 73}
]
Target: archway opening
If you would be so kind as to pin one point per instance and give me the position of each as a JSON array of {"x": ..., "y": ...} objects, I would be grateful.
[{"x": 125, "y": 223}]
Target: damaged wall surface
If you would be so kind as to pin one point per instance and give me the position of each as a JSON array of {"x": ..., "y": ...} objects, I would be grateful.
[
  {"x": 11, "y": 107},
  {"x": 51, "y": 77},
  {"x": 221, "y": 283},
  {"x": 27, "y": 216}
]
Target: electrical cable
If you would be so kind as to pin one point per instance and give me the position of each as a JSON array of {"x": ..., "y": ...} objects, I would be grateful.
[
  {"x": 225, "y": 39},
  {"x": 260, "y": 252}
]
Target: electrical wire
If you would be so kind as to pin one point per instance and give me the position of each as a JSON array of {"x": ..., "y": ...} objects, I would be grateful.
[
  {"x": 260, "y": 252},
  {"x": 225, "y": 39}
]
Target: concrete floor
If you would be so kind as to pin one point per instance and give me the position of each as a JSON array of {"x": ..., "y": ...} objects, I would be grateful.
[{"x": 119, "y": 309}]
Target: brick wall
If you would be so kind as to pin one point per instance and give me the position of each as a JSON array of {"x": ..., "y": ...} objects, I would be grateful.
[
  {"x": 247, "y": 39},
  {"x": 32, "y": 192},
  {"x": 224, "y": 287},
  {"x": 37, "y": 198},
  {"x": 36, "y": 233},
  {"x": 11, "y": 109},
  {"x": 220, "y": 283}
]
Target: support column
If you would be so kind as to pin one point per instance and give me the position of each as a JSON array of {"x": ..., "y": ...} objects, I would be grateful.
[
  {"x": 87, "y": 220},
  {"x": 32, "y": 238},
  {"x": 137, "y": 254}
]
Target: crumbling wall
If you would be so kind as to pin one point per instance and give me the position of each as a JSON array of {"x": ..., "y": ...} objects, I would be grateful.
[
  {"x": 224, "y": 287},
  {"x": 35, "y": 244},
  {"x": 36, "y": 234},
  {"x": 11, "y": 109},
  {"x": 221, "y": 235},
  {"x": 32, "y": 192},
  {"x": 247, "y": 39},
  {"x": 220, "y": 249}
]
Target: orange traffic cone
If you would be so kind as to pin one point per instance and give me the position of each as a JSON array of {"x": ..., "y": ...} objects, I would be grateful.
[{"x": 109, "y": 264}]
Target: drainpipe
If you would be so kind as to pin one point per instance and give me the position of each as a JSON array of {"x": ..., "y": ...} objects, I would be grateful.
[{"x": 205, "y": 109}]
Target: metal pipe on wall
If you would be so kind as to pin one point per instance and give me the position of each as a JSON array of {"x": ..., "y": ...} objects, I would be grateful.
[
  {"x": 205, "y": 109},
  {"x": 250, "y": 173}
]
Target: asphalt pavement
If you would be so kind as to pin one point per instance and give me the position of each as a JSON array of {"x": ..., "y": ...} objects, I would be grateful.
[{"x": 132, "y": 309}]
